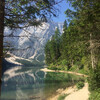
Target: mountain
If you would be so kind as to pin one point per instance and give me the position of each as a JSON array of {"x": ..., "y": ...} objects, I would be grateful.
[{"x": 29, "y": 42}]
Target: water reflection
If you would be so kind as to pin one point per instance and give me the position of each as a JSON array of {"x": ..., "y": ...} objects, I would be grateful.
[
  {"x": 26, "y": 83},
  {"x": 23, "y": 83}
]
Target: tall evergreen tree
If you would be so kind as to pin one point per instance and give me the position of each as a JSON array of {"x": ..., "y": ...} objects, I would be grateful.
[
  {"x": 64, "y": 40},
  {"x": 65, "y": 26},
  {"x": 53, "y": 48},
  {"x": 87, "y": 17},
  {"x": 57, "y": 43},
  {"x": 48, "y": 58}
]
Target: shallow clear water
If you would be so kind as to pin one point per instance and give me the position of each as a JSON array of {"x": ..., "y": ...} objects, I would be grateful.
[{"x": 29, "y": 83}]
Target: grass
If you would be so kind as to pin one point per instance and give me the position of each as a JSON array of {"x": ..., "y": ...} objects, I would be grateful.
[
  {"x": 62, "y": 97},
  {"x": 95, "y": 95}
]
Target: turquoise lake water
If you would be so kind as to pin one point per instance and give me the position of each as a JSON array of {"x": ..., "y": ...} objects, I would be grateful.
[{"x": 30, "y": 83}]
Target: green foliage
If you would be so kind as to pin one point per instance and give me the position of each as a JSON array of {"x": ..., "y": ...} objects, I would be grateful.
[
  {"x": 94, "y": 79},
  {"x": 80, "y": 43},
  {"x": 57, "y": 67},
  {"x": 52, "y": 67},
  {"x": 60, "y": 67},
  {"x": 94, "y": 83},
  {"x": 83, "y": 71},
  {"x": 64, "y": 62},
  {"x": 20, "y": 12},
  {"x": 48, "y": 53},
  {"x": 80, "y": 85},
  {"x": 65, "y": 26},
  {"x": 74, "y": 68},
  {"x": 52, "y": 48},
  {"x": 86, "y": 61},
  {"x": 62, "y": 97},
  {"x": 95, "y": 95}
]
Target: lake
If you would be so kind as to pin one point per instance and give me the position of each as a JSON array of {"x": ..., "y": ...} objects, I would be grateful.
[{"x": 30, "y": 83}]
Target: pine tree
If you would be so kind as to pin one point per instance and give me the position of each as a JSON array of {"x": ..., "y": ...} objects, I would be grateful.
[
  {"x": 53, "y": 47},
  {"x": 88, "y": 20},
  {"x": 65, "y": 26},
  {"x": 48, "y": 58},
  {"x": 57, "y": 43},
  {"x": 64, "y": 40}
]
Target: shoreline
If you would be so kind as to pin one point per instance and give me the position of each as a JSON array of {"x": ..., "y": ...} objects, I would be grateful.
[
  {"x": 62, "y": 91},
  {"x": 72, "y": 93},
  {"x": 69, "y": 72}
]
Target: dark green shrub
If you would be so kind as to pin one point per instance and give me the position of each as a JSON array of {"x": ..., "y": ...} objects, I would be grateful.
[
  {"x": 81, "y": 67},
  {"x": 80, "y": 85}
]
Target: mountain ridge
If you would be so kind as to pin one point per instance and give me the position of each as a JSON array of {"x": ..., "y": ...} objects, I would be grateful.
[{"x": 31, "y": 40}]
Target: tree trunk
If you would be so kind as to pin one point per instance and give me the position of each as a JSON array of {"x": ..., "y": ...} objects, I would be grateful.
[
  {"x": 92, "y": 51},
  {"x": 2, "y": 5}
]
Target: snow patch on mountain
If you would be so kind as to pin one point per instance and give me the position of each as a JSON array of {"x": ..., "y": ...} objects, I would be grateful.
[{"x": 13, "y": 58}]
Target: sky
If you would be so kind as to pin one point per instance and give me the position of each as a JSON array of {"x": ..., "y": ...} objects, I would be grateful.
[{"x": 63, "y": 6}]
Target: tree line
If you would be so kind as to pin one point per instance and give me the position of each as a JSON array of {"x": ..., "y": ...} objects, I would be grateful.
[
  {"x": 79, "y": 44},
  {"x": 67, "y": 48}
]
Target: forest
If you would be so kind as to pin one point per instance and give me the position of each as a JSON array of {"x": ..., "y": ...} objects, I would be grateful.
[{"x": 78, "y": 47}]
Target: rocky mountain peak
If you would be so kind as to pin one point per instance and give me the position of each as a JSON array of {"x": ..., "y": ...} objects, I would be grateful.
[{"x": 31, "y": 40}]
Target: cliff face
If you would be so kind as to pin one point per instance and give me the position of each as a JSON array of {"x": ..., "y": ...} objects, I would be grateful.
[{"x": 30, "y": 41}]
